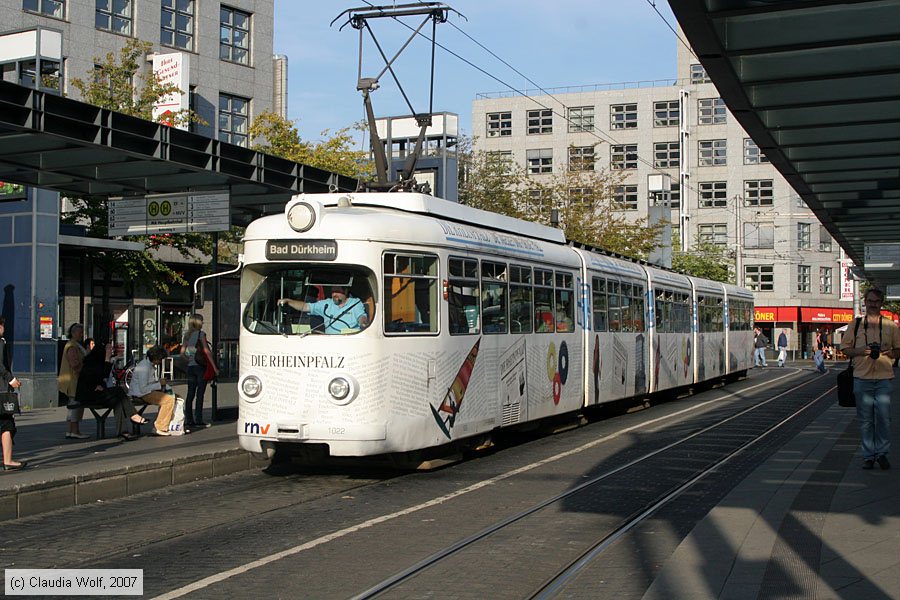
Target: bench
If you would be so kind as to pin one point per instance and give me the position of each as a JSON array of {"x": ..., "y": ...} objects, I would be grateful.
[
  {"x": 140, "y": 406},
  {"x": 100, "y": 413}
]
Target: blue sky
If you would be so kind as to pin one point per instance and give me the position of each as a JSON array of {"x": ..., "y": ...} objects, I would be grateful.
[{"x": 561, "y": 43}]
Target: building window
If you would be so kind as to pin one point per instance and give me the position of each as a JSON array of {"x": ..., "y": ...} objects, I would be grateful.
[
  {"x": 234, "y": 35},
  {"x": 114, "y": 15},
  {"x": 623, "y": 116},
  {"x": 803, "y": 236},
  {"x": 752, "y": 153},
  {"x": 666, "y": 113},
  {"x": 538, "y": 201},
  {"x": 581, "y": 118},
  {"x": 712, "y": 153},
  {"x": 581, "y": 195},
  {"x": 714, "y": 233},
  {"x": 177, "y": 24},
  {"x": 666, "y": 155},
  {"x": 824, "y": 239},
  {"x": 626, "y": 197},
  {"x": 50, "y": 8},
  {"x": 698, "y": 74},
  {"x": 758, "y": 192},
  {"x": 540, "y": 121},
  {"x": 581, "y": 158},
  {"x": 825, "y": 281},
  {"x": 623, "y": 156},
  {"x": 539, "y": 161},
  {"x": 713, "y": 194},
  {"x": 501, "y": 160},
  {"x": 711, "y": 111},
  {"x": 499, "y": 124},
  {"x": 759, "y": 235},
  {"x": 759, "y": 278},
  {"x": 234, "y": 115},
  {"x": 803, "y": 278},
  {"x": 675, "y": 195}
]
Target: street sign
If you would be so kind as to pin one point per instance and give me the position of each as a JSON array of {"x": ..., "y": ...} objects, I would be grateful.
[{"x": 170, "y": 213}]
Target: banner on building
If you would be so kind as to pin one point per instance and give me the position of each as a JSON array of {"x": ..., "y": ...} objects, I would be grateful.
[
  {"x": 173, "y": 68},
  {"x": 846, "y": 281}
]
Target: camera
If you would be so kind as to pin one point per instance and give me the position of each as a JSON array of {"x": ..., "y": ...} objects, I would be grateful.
[{"x": 875, "y": 348}]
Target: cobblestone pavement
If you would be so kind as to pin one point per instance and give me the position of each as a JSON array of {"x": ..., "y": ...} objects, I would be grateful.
[{"x": 186, "y": 533}]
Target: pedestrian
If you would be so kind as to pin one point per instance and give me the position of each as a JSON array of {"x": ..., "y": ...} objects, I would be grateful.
[
  {"x": 872, "y": 351},
  {"x": 819, "y": 355},
  {"x": 8, "y": 422},
  {"x": 151, "y": 390},
  {"x": 194, "y": 347},
  {"x": 92, "y": 390},
  {"x": 760, "y": 341},
  {"x": 782, "y": 347},
  {"x": 67, "y": 381}
]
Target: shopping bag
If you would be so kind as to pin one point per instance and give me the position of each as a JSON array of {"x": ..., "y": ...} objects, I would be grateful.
[
  {"x": 9, "y": 403},
  {"x": 846, "y": 397},
  {"x": 176, "y": 425}
]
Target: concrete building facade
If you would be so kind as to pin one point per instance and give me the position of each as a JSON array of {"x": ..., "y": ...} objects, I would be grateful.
[
  {"x": 227, "y": 48},
  {"x": 723, "y": 189}
]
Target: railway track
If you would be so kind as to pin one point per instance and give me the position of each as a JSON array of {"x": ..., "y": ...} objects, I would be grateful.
[{"x": 560, "y": 536}]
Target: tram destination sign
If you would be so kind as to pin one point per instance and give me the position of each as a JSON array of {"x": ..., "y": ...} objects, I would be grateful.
[
  {"x": 195, "y": 212},
  {"x": 301, "y": 250}
]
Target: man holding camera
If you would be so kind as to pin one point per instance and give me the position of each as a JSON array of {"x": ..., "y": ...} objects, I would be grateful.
[{"x": 873, "y": 345}]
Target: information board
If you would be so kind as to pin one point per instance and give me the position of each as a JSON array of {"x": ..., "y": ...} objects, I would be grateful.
[{"x": 170, "y": 213}]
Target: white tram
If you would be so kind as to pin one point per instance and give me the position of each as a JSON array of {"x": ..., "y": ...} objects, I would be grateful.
[{"x": 471, "y": 321}]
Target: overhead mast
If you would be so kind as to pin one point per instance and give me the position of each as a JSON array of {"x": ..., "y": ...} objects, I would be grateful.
[{"x": 358, "y": 18}]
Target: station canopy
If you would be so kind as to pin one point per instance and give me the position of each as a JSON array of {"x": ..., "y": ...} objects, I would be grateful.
[
  {"x": 56, "y": 143},
  {"x": 816, "y": 84}
]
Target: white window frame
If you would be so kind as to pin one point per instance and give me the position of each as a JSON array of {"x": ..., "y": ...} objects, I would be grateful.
[
  {"x": 713, "y": 194},
  {"x": 498, "y": 124},
  {"x": 540, "y": 121},
  {"x": 623, "y": 116},
  {"x": 712, "y": 153}
]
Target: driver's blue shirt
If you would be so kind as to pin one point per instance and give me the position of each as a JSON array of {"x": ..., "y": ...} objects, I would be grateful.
[{"x": 338, "y": 318}]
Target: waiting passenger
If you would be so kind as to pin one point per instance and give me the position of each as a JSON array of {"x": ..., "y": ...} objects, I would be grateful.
[
  {"x": 92, "y": 390},
  {"x": 145, "y": 386},
  {"x": 340, "y": 312}
]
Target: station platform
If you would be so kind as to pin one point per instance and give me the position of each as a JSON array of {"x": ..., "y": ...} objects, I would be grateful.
[
  {"x": 66, "y": 472},
  {"x": 808, "y": 522}
]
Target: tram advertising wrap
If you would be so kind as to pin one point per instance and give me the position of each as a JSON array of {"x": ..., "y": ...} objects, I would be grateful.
[{"x": 377, "y": 323}]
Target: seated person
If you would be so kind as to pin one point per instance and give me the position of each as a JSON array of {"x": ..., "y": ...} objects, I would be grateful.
[
  {"x": 563, "y": 321},
  {"x": 339, "y": 312},
  {"x": 544, "y": 322},
  {"x": 145, "y": 386},
  {"x": 92, "y": 389}
]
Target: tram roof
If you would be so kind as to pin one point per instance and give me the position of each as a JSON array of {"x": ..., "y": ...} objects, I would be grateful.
[
  {"x": 816, "y": 84},
  {"x": 57, "y": 143}
]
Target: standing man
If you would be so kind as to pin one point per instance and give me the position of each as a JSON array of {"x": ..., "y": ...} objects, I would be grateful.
[
  {"x": 782, "y": 347},
  {"x": 873, "y": 347},
  {"x": 7, "y": 422},
  {"x": 759, "y": 343}
]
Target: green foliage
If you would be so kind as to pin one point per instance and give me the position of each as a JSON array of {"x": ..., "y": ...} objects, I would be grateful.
[
  {"x": 706, "y": 260},
  {"x": 116, "y": 84},
  {"x": 585, "y": 201},
  {"x": 334, "y": 153}
]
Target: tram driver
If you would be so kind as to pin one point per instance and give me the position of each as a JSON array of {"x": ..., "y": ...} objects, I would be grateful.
[{"x": 340, "y": 312}]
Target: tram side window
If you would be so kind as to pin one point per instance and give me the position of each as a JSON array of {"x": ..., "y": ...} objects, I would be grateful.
[
  {"x": 543, "y": 301},
  {"x": 565, "y": 302},
  {"x": 598, "y": 299},
  {"x": 664, "y": 309},
  {"x": 683, "y": 313},
  {"x": 615, "y": 304},
  {"x": 410, "y": 293},
  {"x": 520, "y": 296},
  {"x": 463, "y": 297},
  {"x": 493, "y": 297},
  {"x": 636, "y": 308}
]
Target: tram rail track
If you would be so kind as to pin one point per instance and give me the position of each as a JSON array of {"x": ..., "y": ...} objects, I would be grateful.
[{"x": 728, "y": 438}]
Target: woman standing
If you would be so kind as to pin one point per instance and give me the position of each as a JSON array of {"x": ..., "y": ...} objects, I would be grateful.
[
  {"x": 194, "y": 342},
  {"x": 7, "y": 422},
  {"x": 69, "y": 369}
]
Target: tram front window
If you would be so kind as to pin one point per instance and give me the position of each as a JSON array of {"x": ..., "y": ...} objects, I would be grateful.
[{"x": 307, "y": 300}]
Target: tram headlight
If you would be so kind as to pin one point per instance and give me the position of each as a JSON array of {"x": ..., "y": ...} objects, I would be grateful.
[
  {"x": 301, "y": 217},
  {"x": 339, "y": 388},
  {"x": 251, "y": 386}
]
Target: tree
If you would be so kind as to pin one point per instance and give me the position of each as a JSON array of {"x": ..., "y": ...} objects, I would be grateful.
[
  {"x": 706, "y": 260},
  {"x": 587, "y": 201},
  {"x": 278, "y": 136},
  {"x": 116, "y": 84}
]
